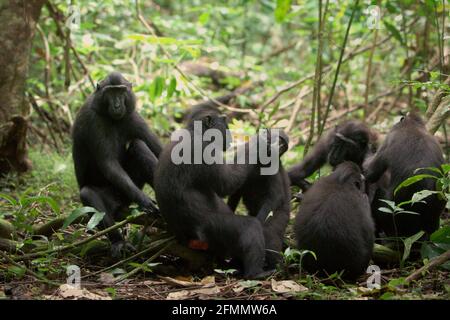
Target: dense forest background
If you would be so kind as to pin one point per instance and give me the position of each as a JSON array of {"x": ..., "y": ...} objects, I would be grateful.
[{"x": 303, "y": 66}]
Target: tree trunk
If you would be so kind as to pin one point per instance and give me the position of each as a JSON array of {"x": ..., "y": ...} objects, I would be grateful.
[{"x": 18, "y": 19}]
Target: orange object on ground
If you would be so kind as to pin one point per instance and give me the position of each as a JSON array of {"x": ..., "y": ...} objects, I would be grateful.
[{"x": 198, "y": 245}]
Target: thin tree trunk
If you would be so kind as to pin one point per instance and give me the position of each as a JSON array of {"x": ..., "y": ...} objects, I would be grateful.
[{"x": 18, "y": 19}]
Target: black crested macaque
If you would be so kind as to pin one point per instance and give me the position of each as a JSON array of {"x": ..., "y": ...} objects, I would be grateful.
[
  {"x": 334, "y": 221},
  {"x": 190, "y": 197},
  {"x": 114, "y": 154},
  {"x": 349, "y": 141},
  {"x": 408, "y": 147},
  {"x": 264, "y": 194}
]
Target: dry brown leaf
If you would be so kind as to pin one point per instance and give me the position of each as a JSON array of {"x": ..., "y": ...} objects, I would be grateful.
[
  {"x": 106, "y": 278},
  {"x": 187, "y": 282},
  {"x": 181, "y": 283},
  {"x": 69, "y": 292},
  {"x": 207, "y": 291},
  {"x": 186, "y": 294},
  {"x": 208, "y": 281},
  {"x": 287, "y": 286},
  {"x": 242, "y": 285},
  {"x": 179, "y": 295}
]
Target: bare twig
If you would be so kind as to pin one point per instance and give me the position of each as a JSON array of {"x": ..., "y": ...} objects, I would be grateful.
[
  {"x": 61, "y": 249},
  {"x": 31, "y": 273},
  {"x": 151, "y": 247},
  {"x": 439, "y": 116},
  {"x": 277, "y": 52},
  {"x": 355, "y": 52},
  {"x": 341, "y": 56},
  {"x": 298, "y": 103},
  {"x": 440, "y": 94},
  {"x": 54, "y": 13},
  {"x": 140, "y": 267},
  {"x": 431, "y": 265},
  {"x": 183, "y": 74},
  {"x": 148, "y": 25},
  {"x": 369, "y": 71},
  {"x": 47, "y": 60},
  {"x": 315, "y": 107},
  {"x": 38, "y": 110}
]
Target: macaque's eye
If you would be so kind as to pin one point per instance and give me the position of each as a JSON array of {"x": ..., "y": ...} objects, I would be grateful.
[{"x": 208, "y": 121}]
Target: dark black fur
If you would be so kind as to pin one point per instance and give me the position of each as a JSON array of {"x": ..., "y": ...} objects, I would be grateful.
[
  {"x": 114, "y": 153},
  {"x": 190, "y": 199},
  {"x": 406, "y": 148},
  {"x": 334, "y": 221},
  {"x": 264, "y": 194},
  {"x": 348, "y": 141}
]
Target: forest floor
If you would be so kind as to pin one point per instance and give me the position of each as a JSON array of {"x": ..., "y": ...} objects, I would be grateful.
[{"x": 166, "y": 276}]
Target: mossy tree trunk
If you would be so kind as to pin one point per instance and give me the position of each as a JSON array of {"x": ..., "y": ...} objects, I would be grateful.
[{"x": 18, "y": 24}]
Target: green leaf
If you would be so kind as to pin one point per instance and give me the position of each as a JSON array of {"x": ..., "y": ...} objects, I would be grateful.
[
  {"x": 42, "y": 199},
  {"x": 386, "y": 210},
  {"x": 111, "y": 291},
  {"x": 391, "y": 204},
  {"x": 172, "y": 87},
  {"x": 156, "y": 88},
  {"x": 249, "y": 283},
  {"x": 282, "y": 10},
  {"x": 408, "y": 242},
  {"x": 397, "y": 282},
  {"x": 165, "y": 41},
  {"x": 204, "y": 18},
  {"x": 19, "y": 271},
  {"x": 419, "y": 196},
  {"x": 76, "y": 214},
  {"x": 408, "y": 212},
  {"x": 95, "y": 220},
  {"x": 441, "y": 235},
  {"x": 8, "y": 198},
  {"x": 446, "y": 168},
  {"x": 434, "y": 169},
  {"x": 412, "y": 180},
  {"x": 394, "y": 31}
]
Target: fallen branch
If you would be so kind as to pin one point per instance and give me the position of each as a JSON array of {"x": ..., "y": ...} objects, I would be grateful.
[
  {"x": 431, "y": 265},
  {"x": 8, "y": 245},
  {"x": 31, "y": 273},
  {"x": 141, "y": 266},
  {"x": 61, "y": 249},
  {"x": 382, "y": 254},
  {"x": 6, "y": 229},
  {"x": 440, "y": 94},
  {"x": 152, "y": 246},
  {"x": 49, "y": 228},
  {"x": 439, "y": 116}
]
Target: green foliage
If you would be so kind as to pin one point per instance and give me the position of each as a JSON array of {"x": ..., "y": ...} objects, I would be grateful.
[
  {"x": 442, "y": 177},
  {"x": 77, "y": 213},
  {"x": 438, "y": 244},
  {"x": 408, "y": 242},
  {"x": 282, "y": 9},
  {"x": 294, "y": 257}
]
